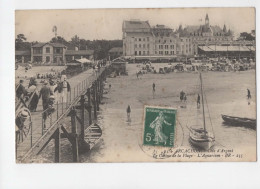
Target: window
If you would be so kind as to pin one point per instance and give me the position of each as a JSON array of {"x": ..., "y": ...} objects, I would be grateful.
[
  {"x": 140, "y": 39},
  {"x": 47, "y": 50},
  {"x": 148, "y": 46},
  {"x": 135, "y": 45},
  {"x": 155, "y": 52},
  {"x": 170, "y": 41},
  {"x": 143, "y": 39},
  {"x": 166, "y": 46},
  {"x": 47, "y": 58},
  {"x": 148, "y": 52},
  {"x": 140, "y": 46},
  {"x": 159, "y": 41},
  {"x": 135, "y": 39},
  {"x": 143, "y": 45},
  {"x": 135, "y": 52},
  {"x": 58, "y": 50},
  {"x": 166, "y": 52},
  {"x": 139, "y": 52},
  {"x": 164, "y": 41},
  {"x": 143, "y": 52},
  {"x": 37, "y": 50},
  {"x": 147, "y": 38}
]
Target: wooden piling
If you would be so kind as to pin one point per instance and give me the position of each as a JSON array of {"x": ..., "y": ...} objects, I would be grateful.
[
  {"x": 57, "y": 145},
  {"x": 82, "y": 103},
  {"x": 94, "y": 100},
  {"x": 75, "y": 150},
  {"x": 89, "y": 106}
]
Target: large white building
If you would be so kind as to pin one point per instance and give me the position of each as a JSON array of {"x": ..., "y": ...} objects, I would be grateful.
[{"x": 140, "y": 39}]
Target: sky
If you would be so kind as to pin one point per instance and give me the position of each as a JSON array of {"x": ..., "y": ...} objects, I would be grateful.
[{"x": 92, "y": 24}]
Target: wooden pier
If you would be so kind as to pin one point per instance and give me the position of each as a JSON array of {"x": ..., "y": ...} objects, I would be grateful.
[{"x": 74, "y": 119}]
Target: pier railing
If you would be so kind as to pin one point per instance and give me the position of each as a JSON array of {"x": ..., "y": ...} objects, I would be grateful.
[{"x": 62, "y": 107}]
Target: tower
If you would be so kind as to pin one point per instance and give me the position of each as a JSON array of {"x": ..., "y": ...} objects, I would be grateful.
[
  {"x": 207, "y": 20},
  {"x": 224, "y": 28}
]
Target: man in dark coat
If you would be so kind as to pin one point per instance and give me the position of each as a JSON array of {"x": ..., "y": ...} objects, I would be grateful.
[
  {"x": 20, "y": 91},
  {"x": 45, "y": 93}
]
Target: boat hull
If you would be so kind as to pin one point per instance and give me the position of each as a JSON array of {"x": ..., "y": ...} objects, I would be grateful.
[
  {"x": 201, "y": 139},
  {"x": 238, "y": 121}
]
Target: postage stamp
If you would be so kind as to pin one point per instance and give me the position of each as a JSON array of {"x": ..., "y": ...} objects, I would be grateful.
[{"x": 159, "y": 126}]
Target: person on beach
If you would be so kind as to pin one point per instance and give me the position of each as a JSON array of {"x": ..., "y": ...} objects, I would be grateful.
[
  {"x": 184, "y": 98},
  {"x": 153, "y": 87},
  {"x": 128, "y": 111},
  {"x": 248, "y": 96},
  {"x": 181, "y": 95},
  {"x": 45, "y": 93},
  {"x": 198, "y": 101}
]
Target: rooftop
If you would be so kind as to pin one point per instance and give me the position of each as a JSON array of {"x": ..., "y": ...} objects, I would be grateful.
[
  {"x": 52, "y": 44},
  {"x": 79, "y": 52}
]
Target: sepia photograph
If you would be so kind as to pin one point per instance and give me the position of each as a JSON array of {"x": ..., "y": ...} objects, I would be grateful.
[{"x": 135, "y": 85}]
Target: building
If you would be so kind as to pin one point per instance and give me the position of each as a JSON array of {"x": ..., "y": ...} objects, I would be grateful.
[
  {"x": 22, "y": 56},
  {"x": 48, "y": 53},
  {"x": 142, "y": 40},
  {"x": 206, "y": 34},
  {"x": 231, "y": 51},
  {"x": 71, "y": 55},
  {"x": 57, "y": 53},
  {"x": 115, "y": 52}
]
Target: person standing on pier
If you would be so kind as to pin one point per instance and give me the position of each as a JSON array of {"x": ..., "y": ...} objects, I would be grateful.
[
  {"x": 45, "y": 93},
  {"x": 20, "y": 90},
  {"x": 65, "y": 89},
  {"x": 35, "y": 99},
  {"x": 128, "y": 111}
]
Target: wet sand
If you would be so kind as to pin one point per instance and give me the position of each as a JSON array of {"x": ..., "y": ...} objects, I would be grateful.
[{"x": 225, "y": 92}]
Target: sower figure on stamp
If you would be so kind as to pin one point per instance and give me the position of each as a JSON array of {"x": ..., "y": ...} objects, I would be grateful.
[
  {"x": 128, "y": 111},
  {"x": 157, "y": 125}
]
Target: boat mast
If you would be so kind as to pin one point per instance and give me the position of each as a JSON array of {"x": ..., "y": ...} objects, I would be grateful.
[{"x": 204, "y": 122}]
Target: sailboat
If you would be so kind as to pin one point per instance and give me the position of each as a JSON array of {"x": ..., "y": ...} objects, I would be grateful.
[{"x": 201, "y": 137}]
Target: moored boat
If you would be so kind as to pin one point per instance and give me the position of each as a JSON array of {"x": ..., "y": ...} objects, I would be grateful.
[
  {"x": 200, "y": 137},
  {"x": 239, "y": 121}
]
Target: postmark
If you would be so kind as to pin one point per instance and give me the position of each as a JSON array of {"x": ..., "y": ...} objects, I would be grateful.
[{"x": 159, "y": 126}]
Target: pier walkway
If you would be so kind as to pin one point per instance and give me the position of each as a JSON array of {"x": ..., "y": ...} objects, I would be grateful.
[{"x": 38, "y": 137}]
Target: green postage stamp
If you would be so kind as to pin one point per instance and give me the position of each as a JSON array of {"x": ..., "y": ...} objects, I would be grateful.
[{"x": 159, "y": 126}]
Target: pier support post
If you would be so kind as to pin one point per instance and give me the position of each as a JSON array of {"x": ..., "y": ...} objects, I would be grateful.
[
  {"x": 57, "y": 145},
  {"x": 89, "y": 106},
  {"x": 97, "y": 95},
  {"x": 94, "y": 100},
  {"x": 75, "y": 150},
  {"x": 82, "y": 103}
]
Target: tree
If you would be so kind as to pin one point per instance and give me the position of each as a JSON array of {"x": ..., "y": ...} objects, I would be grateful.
[
  {"x": 247, "y": 36},
  {"x": 21, "y": 43},
  {"x": 58, "y": 39}
]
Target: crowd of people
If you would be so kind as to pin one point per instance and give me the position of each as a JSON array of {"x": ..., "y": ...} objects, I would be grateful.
[{"x": 50, "y": 92}]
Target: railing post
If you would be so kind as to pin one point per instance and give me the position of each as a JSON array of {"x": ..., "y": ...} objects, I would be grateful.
[{"x": 57, "y": 110}]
